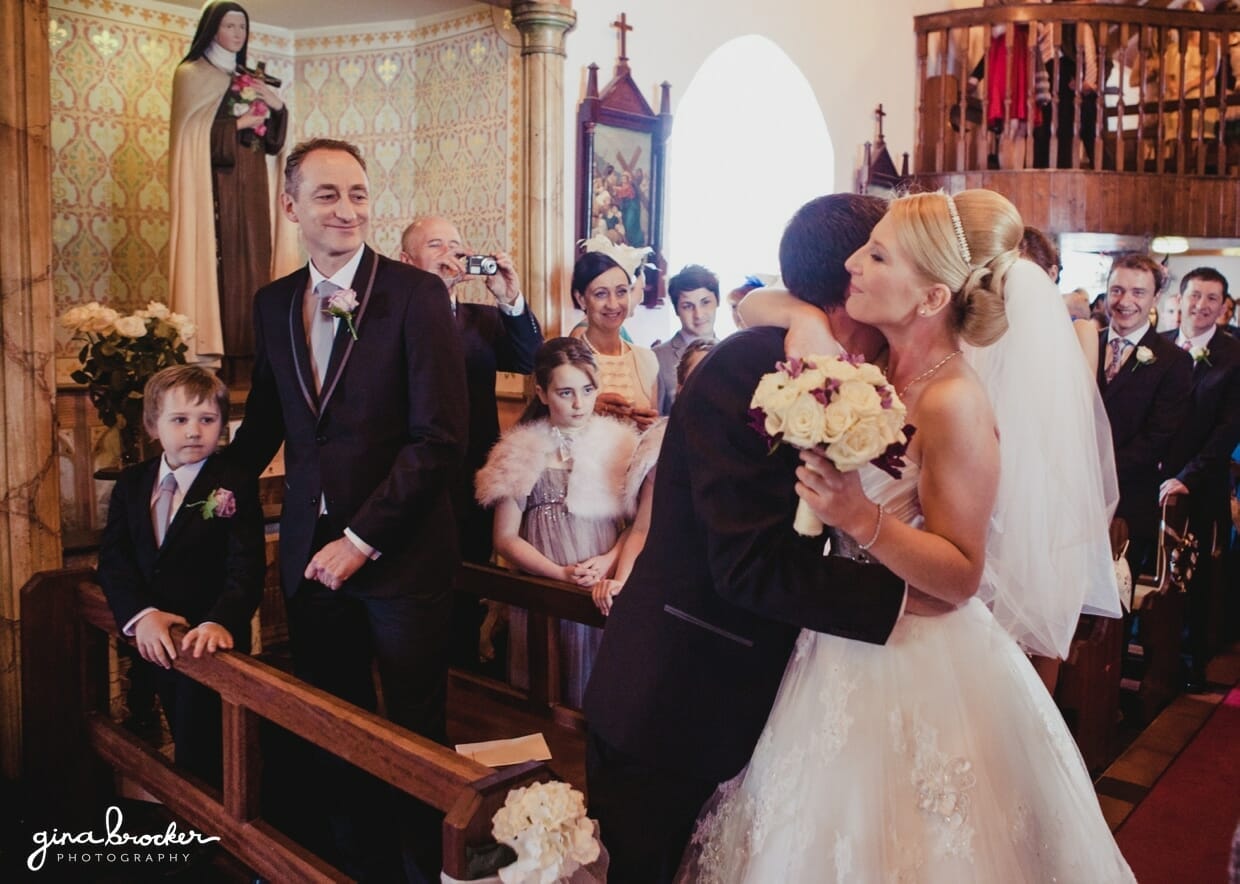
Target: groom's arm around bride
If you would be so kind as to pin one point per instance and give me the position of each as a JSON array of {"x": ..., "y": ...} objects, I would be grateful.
[{"x": 695, "y": 647}]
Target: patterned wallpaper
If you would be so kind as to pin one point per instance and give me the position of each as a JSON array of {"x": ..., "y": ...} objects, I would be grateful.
[{"x": 435, "y": 108}]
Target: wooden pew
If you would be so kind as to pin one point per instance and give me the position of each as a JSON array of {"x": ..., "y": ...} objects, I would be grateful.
[
  {"x": 1157, "y": 670},
  {"x": 66, "y": 732},
  {"x": 1089, "y": 679}
]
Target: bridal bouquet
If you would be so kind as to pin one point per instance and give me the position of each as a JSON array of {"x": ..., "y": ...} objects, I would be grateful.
[
  {"x": 546, "y": 825},
  {"x": 841, "y": 405}
]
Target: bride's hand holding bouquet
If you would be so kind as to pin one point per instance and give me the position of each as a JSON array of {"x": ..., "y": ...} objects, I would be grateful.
[{"x": 840, "y": 406}]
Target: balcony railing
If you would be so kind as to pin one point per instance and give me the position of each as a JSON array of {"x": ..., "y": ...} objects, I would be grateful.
[{"x": 1160, "y": 91}]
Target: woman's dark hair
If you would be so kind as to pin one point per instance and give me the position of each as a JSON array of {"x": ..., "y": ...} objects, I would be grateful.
[
  {"x": 550, "y": 356},
  {"x": 209, "y": 26},
  {"x": 588, "y": 268}
]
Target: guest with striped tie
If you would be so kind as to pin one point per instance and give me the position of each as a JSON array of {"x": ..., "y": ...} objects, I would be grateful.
[
  {"x": 1145, "y": 382},
  {"x": 184, "y": 546}
]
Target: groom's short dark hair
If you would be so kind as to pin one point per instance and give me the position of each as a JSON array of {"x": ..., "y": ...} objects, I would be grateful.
[{"x": 819, "y": 239}]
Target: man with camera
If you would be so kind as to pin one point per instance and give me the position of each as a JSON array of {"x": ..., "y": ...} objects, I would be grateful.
[{"x": 499, "y": 337}]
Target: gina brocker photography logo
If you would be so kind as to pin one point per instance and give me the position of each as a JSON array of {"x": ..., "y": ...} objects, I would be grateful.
[{"x": 114, "y": 845}]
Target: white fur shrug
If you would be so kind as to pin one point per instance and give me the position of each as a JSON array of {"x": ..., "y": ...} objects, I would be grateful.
[{"x": 597, "y": 488}]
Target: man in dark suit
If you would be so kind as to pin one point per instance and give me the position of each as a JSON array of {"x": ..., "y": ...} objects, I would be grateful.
[
  {"x": 696, "y": 645},
  {"x": 500, "y": 337},
  {"x": 359, "y": 372},
  {"x": 1145, "y": 382},
  {"x": 374, "y": 428},
  {"x": 1206, "y": 440}
]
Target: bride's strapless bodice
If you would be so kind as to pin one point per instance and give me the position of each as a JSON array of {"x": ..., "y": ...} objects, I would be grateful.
[{"x": 898, "y": 497}]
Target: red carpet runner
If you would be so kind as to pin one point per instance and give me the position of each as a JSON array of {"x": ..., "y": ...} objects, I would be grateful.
[{"x": 1182, "y": 830}]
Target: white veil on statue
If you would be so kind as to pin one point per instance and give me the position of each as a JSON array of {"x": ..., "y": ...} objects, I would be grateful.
[{"x": 1048, "y": 552}]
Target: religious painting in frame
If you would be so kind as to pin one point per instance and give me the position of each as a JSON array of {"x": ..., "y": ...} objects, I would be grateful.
[
  {"x": 621, "y": 166},
  {"x": 620, "y": 178}
]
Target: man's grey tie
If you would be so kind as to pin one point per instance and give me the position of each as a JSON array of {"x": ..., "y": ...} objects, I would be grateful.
[
  {"x": 1118, "y": 346},
  {"x": 161, "y": 513},
  {"x": 322, "y": 331}
]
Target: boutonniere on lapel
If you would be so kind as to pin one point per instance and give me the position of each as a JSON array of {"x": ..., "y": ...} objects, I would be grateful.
[
  {"x": 342, "y": 305},
  {"x": 1143, "y": 356},
  {"x": 220, "y": 504},
  {"x": 1200, "y": 354}
]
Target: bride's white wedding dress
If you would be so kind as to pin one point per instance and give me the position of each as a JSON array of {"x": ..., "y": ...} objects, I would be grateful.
[{"x": 938, "y": 757}]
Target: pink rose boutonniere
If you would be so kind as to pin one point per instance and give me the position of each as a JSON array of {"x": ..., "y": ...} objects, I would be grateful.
[
  {"x": 343, "y": 304},
  {"x": 220, "y": 503}
]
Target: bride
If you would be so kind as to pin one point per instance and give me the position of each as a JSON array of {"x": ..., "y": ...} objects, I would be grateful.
[{"x": 940, "y": 757}]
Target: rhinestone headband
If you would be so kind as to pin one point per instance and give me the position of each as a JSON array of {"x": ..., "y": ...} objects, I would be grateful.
[{"x": 959, "y": 228}]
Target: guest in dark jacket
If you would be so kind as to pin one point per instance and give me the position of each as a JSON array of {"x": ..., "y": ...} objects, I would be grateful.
[
  {"x": 1206, "y": 440},
  {"x": 184, "y": 546}
]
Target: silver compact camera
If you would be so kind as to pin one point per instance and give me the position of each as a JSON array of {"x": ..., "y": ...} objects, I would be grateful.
[{"x": 481, "y": 265}]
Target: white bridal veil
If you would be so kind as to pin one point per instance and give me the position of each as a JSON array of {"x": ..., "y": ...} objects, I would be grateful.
[{"x": 1048, "y": 554}]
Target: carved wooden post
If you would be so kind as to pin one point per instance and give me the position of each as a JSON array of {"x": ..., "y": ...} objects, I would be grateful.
[
  {"x": 543, "y": 27},
  {"x": 30, "y": 506}
]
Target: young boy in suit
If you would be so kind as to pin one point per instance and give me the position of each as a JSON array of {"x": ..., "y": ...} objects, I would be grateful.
[{"x": 184, "y": 545}]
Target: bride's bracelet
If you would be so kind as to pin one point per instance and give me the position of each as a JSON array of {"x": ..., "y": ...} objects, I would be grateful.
[{"x": 878, "y": 527}]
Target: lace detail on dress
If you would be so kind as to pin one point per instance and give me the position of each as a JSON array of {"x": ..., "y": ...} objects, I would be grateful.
[
  {"x": 944, "y": 786},
  {"x": 712, "y": 851},
  {"x": 832, "y": 734}
]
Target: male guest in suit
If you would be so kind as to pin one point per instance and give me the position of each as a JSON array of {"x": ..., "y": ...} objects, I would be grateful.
[
  {"x": 1205, "y": 442},
  {"x": 503, "y": 337},
  {"x": 694, "y": 293},
  {"x": 359, "y": 372},
  {"x": 166, "y": 558},
  {"x": 1145, "y": 382},
  {"x": 695, "y": 647}
]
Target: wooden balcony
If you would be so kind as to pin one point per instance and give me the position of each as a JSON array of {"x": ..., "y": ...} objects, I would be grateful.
[{"x": 1154, "y": 148}]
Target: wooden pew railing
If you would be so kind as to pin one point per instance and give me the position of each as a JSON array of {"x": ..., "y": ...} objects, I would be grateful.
[
  {"x": 1165, "y": 130},
  {"x": 548, "y": 601},
  {"x": 66, "y": 625}
]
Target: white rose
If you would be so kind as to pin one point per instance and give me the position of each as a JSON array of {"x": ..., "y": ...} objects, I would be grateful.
[
  {"x": 860, "y": 445},
  {"x": 810, "y": 379},
  {"x": 838, "y": 369},
  {"x": 156, "y": 309},
  {"x": 803, "y": 422},
  {"x": 184, "y": 325},
  {"x": 773, "y": 394},
  {"x": 861, "y": 396},
  {"x": 99, "y": 319},
  {"x": 871, "y": 374},
  {"x": 240, "y": 109},
  {"x": 74, "y": 317},
  {"x": 131, "y": 326},
  {"x": 836, "y": 419}
]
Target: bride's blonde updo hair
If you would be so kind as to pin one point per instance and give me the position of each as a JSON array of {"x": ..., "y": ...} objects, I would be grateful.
[{"x": 967, "y": 242}]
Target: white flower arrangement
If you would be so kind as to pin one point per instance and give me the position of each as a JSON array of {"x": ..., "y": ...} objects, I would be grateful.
[
  {"x": 546, "y": 825},
  {"x": 840, "y": 404}
]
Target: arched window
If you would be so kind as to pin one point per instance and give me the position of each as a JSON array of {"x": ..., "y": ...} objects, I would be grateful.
[{"x": 748, "y": 147}]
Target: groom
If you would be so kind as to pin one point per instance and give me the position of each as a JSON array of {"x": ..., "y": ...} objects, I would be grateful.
[{"x": 696, "y": 645}]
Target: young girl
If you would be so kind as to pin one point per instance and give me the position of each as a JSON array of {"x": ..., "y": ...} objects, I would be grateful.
[{"x": 557, "y": 483}]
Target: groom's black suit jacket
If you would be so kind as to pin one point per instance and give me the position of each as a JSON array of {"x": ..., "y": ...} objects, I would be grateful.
[
  {"x": 696, "y": 644},
  {"x": 1146, "y": 404},
  {"x": 383, "y": 442}
]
